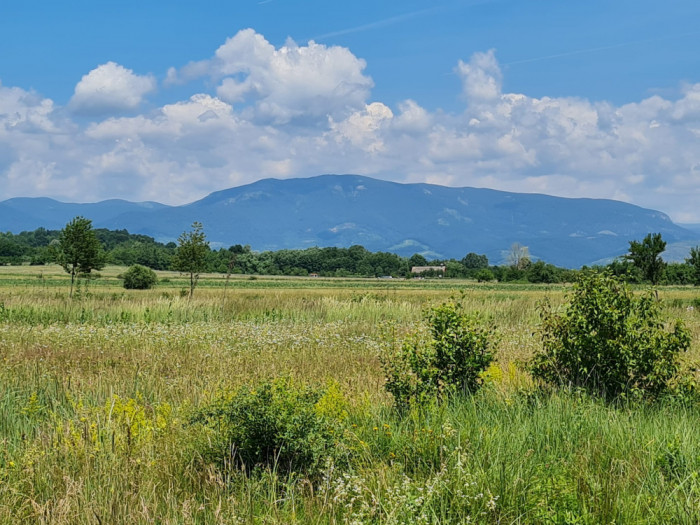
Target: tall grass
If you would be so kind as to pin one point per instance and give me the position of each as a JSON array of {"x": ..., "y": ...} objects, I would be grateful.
[{"x": 96, "y": 395}]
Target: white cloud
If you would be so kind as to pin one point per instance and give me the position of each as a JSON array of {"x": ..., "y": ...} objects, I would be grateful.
[
  {"x": 481, "y": 77},
  {"x": 305, "y": 110},
  {"x": 22, "y": 110},
  {"x": 285, "y": 83},
  {"x": 362, "y": 127},
  {"x": 109, "y": 88}
]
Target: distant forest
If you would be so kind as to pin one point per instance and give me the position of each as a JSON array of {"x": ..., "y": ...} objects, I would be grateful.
[{"x": 123, "y": 248}]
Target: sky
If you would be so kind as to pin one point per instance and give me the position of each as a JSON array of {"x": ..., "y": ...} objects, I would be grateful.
[{"x": 171, "y": 100}]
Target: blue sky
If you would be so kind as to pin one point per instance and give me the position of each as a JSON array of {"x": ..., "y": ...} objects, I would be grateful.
[{"x": 169, "y": 101}]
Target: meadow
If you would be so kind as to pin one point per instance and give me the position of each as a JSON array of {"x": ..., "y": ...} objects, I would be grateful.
[{"x": 99, "y": 397}]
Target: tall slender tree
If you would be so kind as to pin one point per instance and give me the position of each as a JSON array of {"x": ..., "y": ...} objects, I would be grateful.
[
  {"x": 78, "y": 251},
  {"x": 191, "y": 254},
  {"x": 694, "y": 262}
]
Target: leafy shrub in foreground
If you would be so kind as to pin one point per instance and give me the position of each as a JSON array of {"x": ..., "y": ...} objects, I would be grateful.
[
  {"x": 456, "y": 352},
  {"x": 279, "y": 424},
  {"x": 139, "y": 277},
  {"x": 609, "y": 342}
]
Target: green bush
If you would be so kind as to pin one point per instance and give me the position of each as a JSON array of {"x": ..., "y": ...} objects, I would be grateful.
[
  {"x": 450, "y": 359},
  {"x": 484, "y": 275},
  {"x": 279, "y": 425},
  {"x": 139, "y": 277},
  {"x": 609, "y": 341}
]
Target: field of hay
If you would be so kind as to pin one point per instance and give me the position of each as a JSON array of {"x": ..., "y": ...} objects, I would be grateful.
[{"x": 98, "y": 393}]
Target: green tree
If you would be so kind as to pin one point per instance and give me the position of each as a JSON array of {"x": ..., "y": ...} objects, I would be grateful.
[
  {"x": 417, "y": 260},
  {"x": 646, "y": 256},
  {"x": 541, "y": 272},
  {"x": 474, "y": 261},
  {"x": 191, "y": 254},
  {"x": 454, "y": 269},
  {"x": 78, "y": 251},
  {"x": 694, "y": 262}
]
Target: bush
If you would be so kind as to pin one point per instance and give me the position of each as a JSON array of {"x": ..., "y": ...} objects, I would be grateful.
[
  {"x": 279, "y": 425},
  {"x": 451, "y": 359},
  {"x": 139, "y": 277},
  {"x": 484, "y": 276},
  {"x": 609, "y": 342}
]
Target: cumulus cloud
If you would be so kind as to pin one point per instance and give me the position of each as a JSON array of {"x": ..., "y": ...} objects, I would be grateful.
[
  {"x": 109, "y": 88},
  {"x": 481, "y": 77},
  {"x": 285, "y": 83},
  {"x": 305, "y": 110},
  {"x": 362, "y": 127}
]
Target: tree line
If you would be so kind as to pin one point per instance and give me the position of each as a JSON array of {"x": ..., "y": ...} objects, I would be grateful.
[{"x": 193, "y": 255}]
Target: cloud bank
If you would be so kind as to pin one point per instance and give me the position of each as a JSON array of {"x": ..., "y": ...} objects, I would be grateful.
[{"x": 302, "y": 110}]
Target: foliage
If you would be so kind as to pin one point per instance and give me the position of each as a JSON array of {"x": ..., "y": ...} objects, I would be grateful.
[
  {"x": 77, "y": 249},
  {"x": 95, "y": 402},
  {"x": 694, "y": 261},
  {"x": 624, "y": 269},
  {"x": 475, "y": 261},
  {"x": 417, "y": 260},
  {"x": 191, "y": 254},
  {"x": 541, "y": 272},
  {"x": 125, "y": 249},
  {"x": 457, "y": 351},
  {"x": 646, "y": 256},
  {"x": 484, "y": 275},
  {"x": 279, "y": 425},
  {"x": 608, "y": 341},
  {"x": 139, "y": 277},
  {"x": 678, "y": 273}
]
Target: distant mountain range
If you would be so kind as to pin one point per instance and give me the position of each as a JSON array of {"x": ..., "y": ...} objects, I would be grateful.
[{"x": 343, "y": 210}]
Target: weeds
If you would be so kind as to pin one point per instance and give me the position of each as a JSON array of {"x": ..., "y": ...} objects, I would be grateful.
[{"x": 97, "y": 396}]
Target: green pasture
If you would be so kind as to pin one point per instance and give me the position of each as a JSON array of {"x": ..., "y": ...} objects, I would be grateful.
[{"x": 98, "y": 393}]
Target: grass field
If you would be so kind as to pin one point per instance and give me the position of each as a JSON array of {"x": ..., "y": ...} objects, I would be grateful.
[{"x": 98, "y": 393}]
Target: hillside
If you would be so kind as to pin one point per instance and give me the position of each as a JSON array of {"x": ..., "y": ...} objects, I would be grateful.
[{"x": 343, "y": 210}]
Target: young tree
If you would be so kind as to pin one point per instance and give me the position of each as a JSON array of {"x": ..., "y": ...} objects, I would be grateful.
[
  {"x": 78, "y": 250},
  {"x": 646, "y": 256},
  {"x": 191, "y": 254},
  {"x": 609, "y": 341},
  {"x": 694, "y": 262}
]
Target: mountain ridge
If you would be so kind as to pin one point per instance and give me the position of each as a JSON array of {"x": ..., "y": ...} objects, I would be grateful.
[{"x": 342, "y": 210}]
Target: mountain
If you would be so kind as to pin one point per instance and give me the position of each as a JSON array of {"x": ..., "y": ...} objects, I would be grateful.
[
  {"x": 691, "y": 227},
  {"x": 23, "y": 213},
  {"x": 342, "y": 210}
]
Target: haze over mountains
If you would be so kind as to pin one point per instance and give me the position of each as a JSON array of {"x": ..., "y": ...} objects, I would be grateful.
[{"x": 343, "y": 210}]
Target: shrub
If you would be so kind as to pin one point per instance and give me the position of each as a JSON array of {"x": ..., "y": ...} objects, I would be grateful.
[
  {"x": 450, "y": 359},
  {"x": 484, "y": 275},
  {"x": 609, "y": 342},
  {"x": 139, "y": 277},
  {"x": 279, "y": 424}
]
